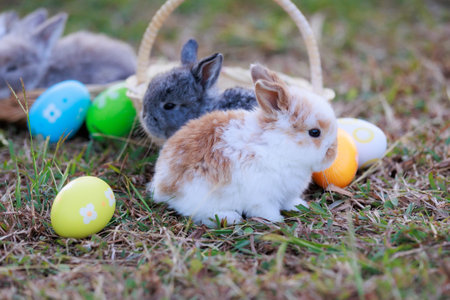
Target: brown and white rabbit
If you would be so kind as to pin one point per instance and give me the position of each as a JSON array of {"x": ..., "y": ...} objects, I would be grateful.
[
  {"x": 230, "y": 163},
  {"x": 41, "y": 59}
]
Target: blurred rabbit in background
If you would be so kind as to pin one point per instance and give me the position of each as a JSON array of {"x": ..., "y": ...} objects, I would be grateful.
[{"x": 31, "y": 49}]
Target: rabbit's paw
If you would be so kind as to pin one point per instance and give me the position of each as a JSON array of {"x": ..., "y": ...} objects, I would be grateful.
[
  {"x": 292, "y": 205},
  {"x": 270, "y": 213}
]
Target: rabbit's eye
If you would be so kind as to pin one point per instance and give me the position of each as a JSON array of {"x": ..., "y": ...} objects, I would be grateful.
[
  {"x": 315, "y": 133},
  {"x": 11, "y": 68},
  {"x": 169, "y": 106}
]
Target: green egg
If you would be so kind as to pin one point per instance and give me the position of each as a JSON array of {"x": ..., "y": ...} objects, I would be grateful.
[{"x": 112, "y": 113}]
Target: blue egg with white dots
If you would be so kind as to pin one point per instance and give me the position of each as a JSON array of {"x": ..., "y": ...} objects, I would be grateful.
[{"x": 60, "y": 111}]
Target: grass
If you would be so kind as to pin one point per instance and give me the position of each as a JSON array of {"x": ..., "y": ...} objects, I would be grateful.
[{"x": 386, "y": 238}]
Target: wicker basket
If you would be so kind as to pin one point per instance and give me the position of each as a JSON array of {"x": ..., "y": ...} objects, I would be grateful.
[{"x": 230, "y": 76}]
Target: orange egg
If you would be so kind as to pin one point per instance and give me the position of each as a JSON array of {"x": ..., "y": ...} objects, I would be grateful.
[{"x": 344, "y": 167}]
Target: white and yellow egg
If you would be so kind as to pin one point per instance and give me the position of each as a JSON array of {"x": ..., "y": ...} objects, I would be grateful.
[
  {"x": 83, "y": 207},
  {"x": 370, "y": 140}
]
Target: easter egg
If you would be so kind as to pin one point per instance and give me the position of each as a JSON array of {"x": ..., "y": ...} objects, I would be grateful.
[
  {"x": 83, "y": 207},
  {"x": 112, "y": 113},
  {"x": 60, "y": 110},
  {"x": 343, "y": 169},
  {"x": 370, "y": 140}
]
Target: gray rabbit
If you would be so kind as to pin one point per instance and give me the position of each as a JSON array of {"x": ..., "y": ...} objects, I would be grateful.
[
  {"x": 187, "y": 92},
  {"x": 32, "y": 50}
]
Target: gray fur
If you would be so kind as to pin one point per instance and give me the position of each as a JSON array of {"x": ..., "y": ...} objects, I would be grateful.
[
  {"x": 89, "y": 58},
  {"x": 190, "y": 92},
  {"x": 235, "y": 98},
  {"x": 28, "y": 23},
  {"x": 8, "y": 20},
  {"x": 41, "y": 58},
  {"x": 189, "y": 52}
]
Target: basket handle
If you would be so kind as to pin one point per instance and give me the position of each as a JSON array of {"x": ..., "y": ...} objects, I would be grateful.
[{"x": 299, "y": 19}]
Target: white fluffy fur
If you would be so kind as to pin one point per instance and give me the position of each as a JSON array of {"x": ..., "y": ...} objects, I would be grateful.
[{"x": 273, "y": 179}]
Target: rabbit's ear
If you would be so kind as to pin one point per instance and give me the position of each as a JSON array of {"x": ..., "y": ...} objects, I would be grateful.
[
  {"x": 208, "y": 69},
  {"x": 259, "y": 72},
  {"x": 189, "y": 52},
  {"x": 7, "y": 21},
  {"x": 48, "y": 33},
  {"x": 32, "y": 20},
  {"x": 271, "y": 96}
]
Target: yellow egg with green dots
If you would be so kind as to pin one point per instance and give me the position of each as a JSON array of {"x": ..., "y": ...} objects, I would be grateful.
[{"x": 83, "y": 207}]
